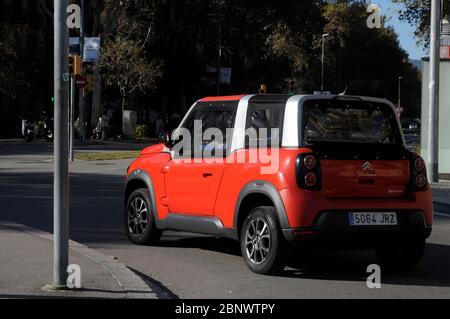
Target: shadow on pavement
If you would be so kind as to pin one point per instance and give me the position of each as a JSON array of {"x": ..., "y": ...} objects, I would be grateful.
[
  {"x": 162, "y": 292},
  {"x": 220, "y": 245},
  {"x": 24, "y": 148},
  {"x": 351, "y": 266},
  {"x": 95, "y": 199},
  {"x": 96, "y": 218},
  {"x": 338, "y": 265}
]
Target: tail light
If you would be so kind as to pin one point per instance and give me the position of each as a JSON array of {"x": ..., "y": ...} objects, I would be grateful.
[
  {"x": 310, "y": 179},
  {"x": 418, "y": 174},
  {"x": 308, "y": 171},
  {"x": 310, "y": 161}
]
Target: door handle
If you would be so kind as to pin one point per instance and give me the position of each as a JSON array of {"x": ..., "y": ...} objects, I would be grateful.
[
  {"x": 205, "y": 175},
  {"x": 165, "y": 169}
]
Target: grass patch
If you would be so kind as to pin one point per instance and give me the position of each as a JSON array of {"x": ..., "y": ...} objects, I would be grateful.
[{"x": 102, "y": 156}]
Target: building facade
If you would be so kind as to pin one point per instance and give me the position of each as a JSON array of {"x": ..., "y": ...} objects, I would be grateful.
[{"x": 444, "y": 115}]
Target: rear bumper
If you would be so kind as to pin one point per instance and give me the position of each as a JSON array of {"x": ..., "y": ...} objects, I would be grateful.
[
  {"x": 332, "y": 228},
  {"x": 303, "y": 207}
]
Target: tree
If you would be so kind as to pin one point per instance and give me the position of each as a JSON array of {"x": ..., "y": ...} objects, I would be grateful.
[
  {"x": 125, "y": 62},
  {"x": 367, "y": 61},
  {"x": 418, "y": 14},
  {"x": 11, "y": 72},
  {"x": 262, "y": 41},
  {"x": 124, "y": 66}
]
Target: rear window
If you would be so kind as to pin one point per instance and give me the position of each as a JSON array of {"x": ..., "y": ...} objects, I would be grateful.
[{"x": 350, "y": 122}]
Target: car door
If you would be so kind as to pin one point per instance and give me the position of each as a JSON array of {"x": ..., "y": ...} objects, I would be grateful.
[{"x": 193, "y": 176}]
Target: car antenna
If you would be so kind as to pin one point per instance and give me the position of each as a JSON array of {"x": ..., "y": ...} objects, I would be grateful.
[{"x": 343, "y": 92}]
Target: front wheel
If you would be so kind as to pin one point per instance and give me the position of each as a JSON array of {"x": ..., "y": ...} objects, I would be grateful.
[
  {"x": 402, "y": 254},
  {"x": 139, "y": 219},
  {"x": 262, "y": 243}
]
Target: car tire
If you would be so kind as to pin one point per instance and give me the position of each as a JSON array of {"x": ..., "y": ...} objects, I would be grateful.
[
  {"x": 402, "y": 254},
  {"x": 263, "y": 246},
  {"x": 139, "y": 219}
]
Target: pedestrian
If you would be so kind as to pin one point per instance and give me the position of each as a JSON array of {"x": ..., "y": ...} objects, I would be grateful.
[{"x": 104, "y": 125}]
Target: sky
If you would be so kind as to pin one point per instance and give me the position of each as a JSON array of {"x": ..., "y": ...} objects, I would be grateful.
[{"x": 404, "y": 30}]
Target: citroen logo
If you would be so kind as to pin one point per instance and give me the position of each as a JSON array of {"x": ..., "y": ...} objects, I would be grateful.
[
  {"x": 366, "y": 166},
  {"x": 367, "y": 169}
]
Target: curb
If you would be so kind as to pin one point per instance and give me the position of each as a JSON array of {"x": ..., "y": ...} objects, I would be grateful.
[{"x": 131, "y": 284}]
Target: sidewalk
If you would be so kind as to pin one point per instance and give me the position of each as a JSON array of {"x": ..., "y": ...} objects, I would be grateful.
[
  {"x": 26, "y": 264},
  {"x": 441, "y": 196}
]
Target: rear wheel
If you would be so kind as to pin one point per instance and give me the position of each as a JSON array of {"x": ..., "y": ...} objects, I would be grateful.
[
  {"x": 262, "y": 243},
  {"x": 402, "y": 254},
  {"x": 139, "y": 219}
]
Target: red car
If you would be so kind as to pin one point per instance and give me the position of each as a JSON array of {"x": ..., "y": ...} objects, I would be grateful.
[{"x": 276, "y": 170}]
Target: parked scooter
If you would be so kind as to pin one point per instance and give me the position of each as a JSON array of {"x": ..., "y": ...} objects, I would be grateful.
[
  {"x": 28, "y": 128},
  {"x": 48, "y": 129}
]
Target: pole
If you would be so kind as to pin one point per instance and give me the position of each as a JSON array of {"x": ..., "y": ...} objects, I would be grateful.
[
  {"x": 323, "y": 60},
  {"x": 96, "y": 95},
  {"x": 399, "y": 91},
  {"x": 61, "y": 167},
  {"x": 433, "y": 98},
  {"x": 81, "y": 112},
  {"x": 71, "y": 111},
  {"x": 219, "y": 52},
  {"x": 323, "y": 53}
]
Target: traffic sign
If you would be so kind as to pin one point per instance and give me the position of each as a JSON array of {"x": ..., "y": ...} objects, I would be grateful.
[
  {"x": 91, "y": 51},
  {"x": 80, "y": 81}
]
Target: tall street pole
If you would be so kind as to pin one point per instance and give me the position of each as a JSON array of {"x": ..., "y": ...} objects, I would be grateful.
[
  {"x": 399, "y": 91},
  {"x": 71, "y": 113},
  {"x": 433, "y": 98},
  {"x": 61, "y": 165},
  {"x": 323, "y": 60},
  {"x": 81, "y": 110},
  {"x": 219, "y": 43}
]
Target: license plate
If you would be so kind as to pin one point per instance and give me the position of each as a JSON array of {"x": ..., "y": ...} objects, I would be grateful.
[{"x": 372, "y": 218}]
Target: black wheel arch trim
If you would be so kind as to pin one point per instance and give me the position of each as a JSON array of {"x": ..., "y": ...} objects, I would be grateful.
[
  {"x": 142, "y": 176},
  {"x": 254, "y": 187},
  {"x": 265, "y": 188}
]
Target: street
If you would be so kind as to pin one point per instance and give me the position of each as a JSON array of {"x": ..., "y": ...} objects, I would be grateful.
[{"x": 191, "y": 265}]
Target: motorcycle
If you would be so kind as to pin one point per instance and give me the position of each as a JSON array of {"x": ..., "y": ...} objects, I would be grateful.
[{"x": 48, "y": 130}]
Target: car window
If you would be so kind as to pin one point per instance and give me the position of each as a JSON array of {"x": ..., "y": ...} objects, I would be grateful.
[
  {"x": 350, "y": 123},
  {"x": 264, "y": 124},
  {"x": 210, "y": 129}
]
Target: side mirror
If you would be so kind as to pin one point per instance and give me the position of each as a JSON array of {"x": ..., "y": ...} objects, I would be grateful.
[{"x": 164, "y": 138}]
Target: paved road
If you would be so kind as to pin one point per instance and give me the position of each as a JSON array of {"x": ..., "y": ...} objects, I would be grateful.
[{"x": 196, "y": 266}]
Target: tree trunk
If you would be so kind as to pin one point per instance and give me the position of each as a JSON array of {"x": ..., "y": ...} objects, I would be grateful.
[{"x": 124, "y": 105}]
